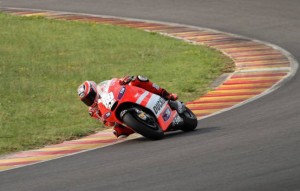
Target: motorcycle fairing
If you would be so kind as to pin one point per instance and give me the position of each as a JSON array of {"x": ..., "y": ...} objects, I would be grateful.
[{"x": 111, "y": 93}]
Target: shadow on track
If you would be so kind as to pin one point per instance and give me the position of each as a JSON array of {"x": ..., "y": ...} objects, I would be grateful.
[{"x": 176, "y": 134}]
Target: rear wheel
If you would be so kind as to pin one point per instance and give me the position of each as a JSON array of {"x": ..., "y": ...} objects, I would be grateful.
[
  {"x": 143, "y": 124},
  {"x": 190, "y": 120}
]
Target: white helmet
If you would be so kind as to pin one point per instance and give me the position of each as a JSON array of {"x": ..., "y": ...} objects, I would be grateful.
[{"x": 87, "y": 92}]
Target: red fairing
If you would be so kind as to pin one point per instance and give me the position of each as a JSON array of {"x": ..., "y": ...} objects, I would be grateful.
[{"x": 113, "y": 95}]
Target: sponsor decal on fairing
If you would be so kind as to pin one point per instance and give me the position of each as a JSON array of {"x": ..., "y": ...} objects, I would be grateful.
[
  {"x": 121, "y": 93},
  {"x": 167, "y": 114},
  {"x": 157, "y": 104},
  {"x": 107, "y": 115},
  {"x": 108, "y": 100}
]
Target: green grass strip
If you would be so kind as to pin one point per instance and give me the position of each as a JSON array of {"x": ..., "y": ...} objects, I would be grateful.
[{"x": 43, "y": 61}]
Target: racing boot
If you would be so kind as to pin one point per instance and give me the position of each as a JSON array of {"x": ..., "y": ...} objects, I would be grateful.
[
  {"x": 178, "y": 122},
  {"x": 178, "y": 106}
]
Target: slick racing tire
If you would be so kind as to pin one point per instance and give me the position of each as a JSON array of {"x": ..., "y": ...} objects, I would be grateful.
[
  {"x": 149, "y": 129},
  {"x": 189, "y": 119}
]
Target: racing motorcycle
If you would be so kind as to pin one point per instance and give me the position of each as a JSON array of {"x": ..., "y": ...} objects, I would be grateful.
[{"x": 144, "y": 112}]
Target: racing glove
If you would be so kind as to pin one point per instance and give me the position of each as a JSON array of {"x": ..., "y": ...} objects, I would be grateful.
[
  {"x": 168, "y": 96},
  {"x": 94, "y": 113}
]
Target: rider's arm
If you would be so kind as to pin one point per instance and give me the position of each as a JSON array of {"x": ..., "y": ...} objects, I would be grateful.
[
  {"x": 118, "y": 129},
  {"x": 96, "y": 114}
]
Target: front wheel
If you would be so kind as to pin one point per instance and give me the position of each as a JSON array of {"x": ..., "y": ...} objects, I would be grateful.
[
  {"x": 147, "y": 127},
  {"x": 189, "y": 119}
]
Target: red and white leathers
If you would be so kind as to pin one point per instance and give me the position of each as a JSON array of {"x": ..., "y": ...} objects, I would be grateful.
[{"x": 139, "y": 81}]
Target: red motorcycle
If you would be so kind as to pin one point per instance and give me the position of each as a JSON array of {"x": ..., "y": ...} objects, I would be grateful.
[{"x": 144, "y": 112}]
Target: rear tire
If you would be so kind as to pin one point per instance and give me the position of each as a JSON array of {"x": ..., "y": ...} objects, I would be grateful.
[
  {"x": 190, "y": 120},
  {"x": 148, "y": 129}
]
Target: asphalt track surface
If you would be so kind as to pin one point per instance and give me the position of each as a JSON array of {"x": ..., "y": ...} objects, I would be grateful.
[{"x": 253, "y": 147}]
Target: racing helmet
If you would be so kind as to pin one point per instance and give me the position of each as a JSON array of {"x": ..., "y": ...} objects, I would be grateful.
[{"x": 87, "y": 92}]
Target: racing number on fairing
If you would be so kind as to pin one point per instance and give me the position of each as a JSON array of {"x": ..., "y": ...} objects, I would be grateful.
[{"x": 108, "y": 100}]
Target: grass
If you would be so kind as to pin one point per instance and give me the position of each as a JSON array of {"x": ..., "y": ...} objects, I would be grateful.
[{"x": 43, "y": 61}]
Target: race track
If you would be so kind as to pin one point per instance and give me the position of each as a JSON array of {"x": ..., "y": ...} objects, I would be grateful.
[{"x": 253, "y": 147}]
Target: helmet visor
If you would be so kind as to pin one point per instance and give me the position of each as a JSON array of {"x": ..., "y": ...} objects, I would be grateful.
[{"x": 90, "y": 98}]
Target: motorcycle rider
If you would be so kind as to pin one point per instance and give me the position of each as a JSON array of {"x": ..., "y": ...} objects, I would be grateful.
[{"x": 88, "y": 94}]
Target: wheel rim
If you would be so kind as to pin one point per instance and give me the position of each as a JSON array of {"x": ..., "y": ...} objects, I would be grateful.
[{"x": 147, "y": 120}]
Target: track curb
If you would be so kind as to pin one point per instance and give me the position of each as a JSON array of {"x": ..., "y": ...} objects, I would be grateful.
[{"x": 261, "y": 68}]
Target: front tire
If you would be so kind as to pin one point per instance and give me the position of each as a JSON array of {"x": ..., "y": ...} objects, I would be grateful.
[
  {"x": 190, "y": 120},
  {"x": 149, "y": 129}
]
